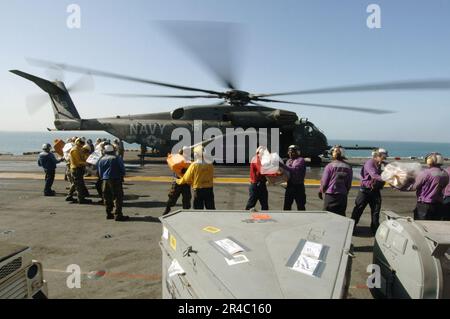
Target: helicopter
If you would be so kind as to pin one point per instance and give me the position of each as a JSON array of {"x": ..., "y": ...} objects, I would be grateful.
[{"x": 236, "y": 108}]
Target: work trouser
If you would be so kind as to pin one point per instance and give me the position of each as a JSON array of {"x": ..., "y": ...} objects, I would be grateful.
[
  {"x": 446, "y": 209},
  {"x": 373, "y": 198},
  {"x": 295, "y": 192},
  {"x": 113, "y": 196},
  {"x": 428, "y": 211},
  {"x": 69, "y": 178},
  {"x": 49, "y": 179},
  {"x": 258, "y": 192},
  {"x": 99, "y": 186},
  {"x": 175, "y": 192},
  {"x": 78, "y": 183},
  {"x": 204, "y": 198},
  {"x": 335, "y": 203}
]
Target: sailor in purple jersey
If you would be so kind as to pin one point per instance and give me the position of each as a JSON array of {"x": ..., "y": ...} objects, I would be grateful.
[
  {"x": 295, "y": 189},
  {"x": 430, "y": 186},
  {"x": 446, "y": 206},
  {"x": 336, "y": 182},
  {"x": 369, "y": 192}
]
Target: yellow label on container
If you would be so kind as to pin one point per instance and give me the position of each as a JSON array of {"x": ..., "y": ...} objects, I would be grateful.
[
  {"x": 211, "y": 229},
  {"x": 173, "y": 242}
]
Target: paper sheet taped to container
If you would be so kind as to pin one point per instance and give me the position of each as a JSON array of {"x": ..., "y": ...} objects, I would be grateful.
[
  {"x": 308, "y": 261},
  {"x": 401, "y": 175},
  {"x": 229, "y": 246},
  {"x": 238, "y": 259},
  {"x": 175, "y": 269}
]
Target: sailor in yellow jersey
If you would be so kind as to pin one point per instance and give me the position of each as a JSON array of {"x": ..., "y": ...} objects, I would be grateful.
[
  {"x": 77, "y": 169},
  {"x": 200, "y": 175}
]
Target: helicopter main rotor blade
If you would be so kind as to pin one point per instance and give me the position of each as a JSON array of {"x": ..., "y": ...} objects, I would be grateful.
[
  {"x": 83, "y": 84},
  {"x": 132, "y": 95},
  {"x": 55, "y": 73},
  {"x": 431, "y": 84},
  {"x": 257, "y": 104},
  {"x": 347, "y": 108},
  {"x": 212, "y": 43},
  {"x": 77, "y": 69}
]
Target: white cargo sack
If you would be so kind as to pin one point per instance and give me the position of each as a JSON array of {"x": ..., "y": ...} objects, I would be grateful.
[
  {"x": 93, "y": 158},
  {"x": 281, "y": 177},
  {"x": 66, "y": 150},
  {"x": 401, "y": 175},
  {"x": 270, "y": 163}
]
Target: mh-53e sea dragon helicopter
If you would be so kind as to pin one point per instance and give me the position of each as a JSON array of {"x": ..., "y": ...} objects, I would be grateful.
[{"x": 212, "y": 42}]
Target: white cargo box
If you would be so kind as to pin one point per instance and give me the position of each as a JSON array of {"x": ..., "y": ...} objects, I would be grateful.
[
  {"x": 414, "y": 258},
  {"x": 237, "y": 254}
]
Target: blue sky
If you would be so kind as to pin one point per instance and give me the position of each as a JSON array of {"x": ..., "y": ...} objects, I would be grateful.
[{"x": 290, "y": 45}]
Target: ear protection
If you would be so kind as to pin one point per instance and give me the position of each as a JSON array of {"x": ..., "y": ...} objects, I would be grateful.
[
  {"x": 339, "y": 149},
  {"x": 434, "y": 159}
]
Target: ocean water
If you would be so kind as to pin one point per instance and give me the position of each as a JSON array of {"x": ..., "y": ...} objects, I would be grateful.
[
  {"x": 395, "y": 149},
  {"x": 19, "y": 142}
]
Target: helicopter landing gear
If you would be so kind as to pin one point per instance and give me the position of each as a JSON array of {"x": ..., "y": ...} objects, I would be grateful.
[{"x": 142, "y": 155}]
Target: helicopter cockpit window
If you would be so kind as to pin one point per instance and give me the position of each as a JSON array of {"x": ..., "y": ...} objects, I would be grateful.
[{"x": 309, "y": 130}]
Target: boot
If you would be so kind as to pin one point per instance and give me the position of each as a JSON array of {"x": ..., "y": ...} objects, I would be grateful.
[{"x": 121, "y": 218}]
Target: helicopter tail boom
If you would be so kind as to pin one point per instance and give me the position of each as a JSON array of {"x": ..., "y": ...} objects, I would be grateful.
[{"x": 63, "y": 106}]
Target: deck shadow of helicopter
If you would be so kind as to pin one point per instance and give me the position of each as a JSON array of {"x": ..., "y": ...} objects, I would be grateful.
[
  {"x": 134, "y": 197},
  {"x": 363, "y": 232},
  {"x": 133, "y": 169},
  {"x": 145, "y": 204},
  {"x": 147, "y": 219}
]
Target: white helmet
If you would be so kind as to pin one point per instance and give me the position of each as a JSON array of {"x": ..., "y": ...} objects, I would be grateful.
[
  {"x": 434, "y": 159},
  {"x": 380, "y": 152},
  {"x": 295, "y": 149},
  {"x": 109, "y": 149},
  {"x": 46, "y": 147}
]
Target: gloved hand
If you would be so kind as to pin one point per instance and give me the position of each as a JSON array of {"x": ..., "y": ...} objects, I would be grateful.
[{"x": 320, "y": 195}]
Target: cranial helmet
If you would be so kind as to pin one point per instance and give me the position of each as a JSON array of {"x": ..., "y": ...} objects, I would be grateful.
[
  {"x": 380, "y": 152},
  {"x": 339, "y": 149},
  {"x": 46, "y": 147},
  {"x": 295, "y": 149},
  {"x": 434, "y": 159},
  {"x": 109, "y": 149},
  {"x": 79, "y": 141}
]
